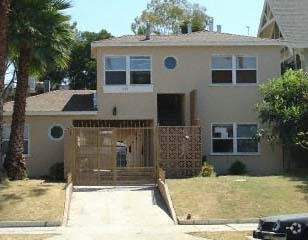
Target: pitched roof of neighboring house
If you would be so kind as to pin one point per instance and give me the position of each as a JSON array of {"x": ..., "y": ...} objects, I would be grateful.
[
  {"x": 60, "y": 101},
  {"x": 292, "y": 19},
  {"x": 203, "y": 38}
]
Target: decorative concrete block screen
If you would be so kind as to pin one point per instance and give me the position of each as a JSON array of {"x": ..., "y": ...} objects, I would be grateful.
[{"x": 180, "y": 151}]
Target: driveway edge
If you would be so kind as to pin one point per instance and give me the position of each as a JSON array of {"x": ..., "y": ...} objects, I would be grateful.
[
  {"x": 164, "y": 191},
  {"x": 67, "y": 203},
  {"x": 217, "y": 221}
]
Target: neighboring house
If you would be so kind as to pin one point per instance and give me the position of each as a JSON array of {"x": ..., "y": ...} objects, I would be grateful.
[
  {"x": 287, "y": 20},
  {"x": 204, "y": 78}
]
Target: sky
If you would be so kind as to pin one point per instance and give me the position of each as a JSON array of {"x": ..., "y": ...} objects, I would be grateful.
[{"x": 116, "y": 16}]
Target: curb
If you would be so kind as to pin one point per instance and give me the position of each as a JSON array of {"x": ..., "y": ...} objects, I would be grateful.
[
  {"x": 6, "y": 224},
  {"x": 217, "y": 221},
  {"x": 67, "y": 203}
]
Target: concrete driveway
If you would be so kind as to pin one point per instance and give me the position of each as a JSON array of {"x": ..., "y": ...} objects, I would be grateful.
[
  {"x": 120, "y": 213},
  {"x": 120, "y": 206}
]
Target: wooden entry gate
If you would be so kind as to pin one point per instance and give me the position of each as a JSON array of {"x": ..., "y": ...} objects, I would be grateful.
[
  {"x": 131, "y": 155},
  {"x": 110, "y": 156}
]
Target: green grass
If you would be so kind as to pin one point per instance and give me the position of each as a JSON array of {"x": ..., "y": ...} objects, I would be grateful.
[
  {"x": 223, "y": 235},
  {"x": 31, "y": 200},
  {"x": 25, "y": 237},
  {"x": 239, "y": 197}
]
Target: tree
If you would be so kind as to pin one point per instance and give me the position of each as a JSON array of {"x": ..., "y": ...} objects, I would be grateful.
[
  {"x": 4, "y": 21},
  {"x": 82, "y": 67},
  {"x": 168, "y": 16},
  {"x": 39, "y": 35},
  {"x": 284, "y": 108},
  {"x": 81, "y": 70}
]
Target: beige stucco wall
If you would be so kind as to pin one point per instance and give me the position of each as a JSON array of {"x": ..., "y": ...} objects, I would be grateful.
[
  {"x": 216, "y": 104},
  {"x": 43, "y": 151}
]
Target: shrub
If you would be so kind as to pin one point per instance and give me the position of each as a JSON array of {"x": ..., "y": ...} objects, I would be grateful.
[
  {"x": 56, "y": 172},
  {"x": 237, "y": 168},
  {"x": 207, "y": 170}
]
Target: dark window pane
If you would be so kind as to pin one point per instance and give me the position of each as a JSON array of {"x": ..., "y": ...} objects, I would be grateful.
[
  {"x": 222, "y": 131},
  {"x": 246, "y": 130},
  {"x": 223, "y": 146},
  {"x": 56, "y": 132},
  {"x": 142, "y": 77},
  {"x": 246, "y": 76},
  {"x": 26, "y": 147},
  {"x": 247, "y": 146},
  {"x": 170, "y": 63},
  {"x": 222, "y": 76},
  {"x": 115, "y": 78},
  {"x": 5, "y": 145}
]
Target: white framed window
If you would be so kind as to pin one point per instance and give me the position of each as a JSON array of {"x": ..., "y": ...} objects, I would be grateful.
[
  {"x": 115, "y": 70},
  {"x": 6, "y": 137},
  {"x": 233, "y": 138},
  {"x": 246, "y": 70},
  {"x": 222, "y": 138},
  {"x": 140, "y": 69},
  {"x": 128, "y": 70},
  {"x": 56, "y": 132},
  {"x": 222, "y": 69},
  {"x": 234, "y": 69},
  {"x": 246, "y": 142}
]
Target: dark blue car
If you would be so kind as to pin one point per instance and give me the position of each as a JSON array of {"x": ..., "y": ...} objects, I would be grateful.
[{"x": 284, "y": 227}]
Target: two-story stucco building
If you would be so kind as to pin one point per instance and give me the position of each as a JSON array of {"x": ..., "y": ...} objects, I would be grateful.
[{"x": 205, "y": 78}]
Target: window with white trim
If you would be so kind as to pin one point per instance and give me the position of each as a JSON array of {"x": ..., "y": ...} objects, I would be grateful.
[
  {"x": 234, "y": 139},
  {"x": 234, "y": 69},
  {"x": 222, "y": 138},
  {"x": 128, "y": 70},
  {"x": 6, "y": 137},
  {"x": 56, "y": 132},
  {"x": 115, "y": 70}
]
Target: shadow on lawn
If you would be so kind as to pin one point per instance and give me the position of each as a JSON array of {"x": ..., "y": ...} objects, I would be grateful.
[
  {"x": 302, "y": 178},
  {"x": 11, "y": 194}
]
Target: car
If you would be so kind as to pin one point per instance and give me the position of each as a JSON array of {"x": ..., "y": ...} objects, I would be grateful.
[{"x": 283, "y": 227}]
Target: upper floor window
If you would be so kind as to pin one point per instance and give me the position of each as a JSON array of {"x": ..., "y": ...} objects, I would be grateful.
[
  {"x": 128, "y": 70},
  {"x": 115, "y": 70},
  {"x": 140, "y": 70},
  {"x": 234, "y": 70}
]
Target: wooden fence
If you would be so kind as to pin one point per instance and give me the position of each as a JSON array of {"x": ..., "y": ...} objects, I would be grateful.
[
  {"x": 110, "y": 156},
  {"x": 130, "y": 155}
]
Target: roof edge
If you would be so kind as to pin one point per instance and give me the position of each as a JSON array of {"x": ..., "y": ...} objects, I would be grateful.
[
  {"x": 186, "y": 44},
  {"x": 53, "y": 113}
]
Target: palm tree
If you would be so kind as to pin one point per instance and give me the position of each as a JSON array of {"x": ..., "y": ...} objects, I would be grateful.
[
  {"x": 4, "y": 21},
  {"x": 39, "y": 35}
]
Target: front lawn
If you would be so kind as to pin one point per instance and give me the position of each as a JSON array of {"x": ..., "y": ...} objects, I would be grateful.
[
  {"x": 223, "y": 235},
  {"x": 239, "y": 197},
  {"x": 31, "y": 200}
]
